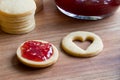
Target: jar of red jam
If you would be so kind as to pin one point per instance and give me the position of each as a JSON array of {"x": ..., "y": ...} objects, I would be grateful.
[{"x": 88, "y": 9}]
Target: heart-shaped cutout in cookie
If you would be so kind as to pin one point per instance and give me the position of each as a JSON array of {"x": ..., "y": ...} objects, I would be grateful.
[
  {"x": 83, "y": 44},
  {"x": 71, "y": 48}
]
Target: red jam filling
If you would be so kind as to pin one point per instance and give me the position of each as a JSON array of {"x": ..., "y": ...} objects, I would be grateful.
[
  {"x": 89, "y": 7},
  {"x": 36, "y": 51}
]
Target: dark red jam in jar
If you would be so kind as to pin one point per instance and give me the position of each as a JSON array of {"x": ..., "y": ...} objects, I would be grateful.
[
  {"x": 88, "y": 9},
  {"x": 36, "y": 51}
]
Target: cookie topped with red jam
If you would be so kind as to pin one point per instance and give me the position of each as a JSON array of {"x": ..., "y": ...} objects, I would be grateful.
[{"x": 37, "y": 53}]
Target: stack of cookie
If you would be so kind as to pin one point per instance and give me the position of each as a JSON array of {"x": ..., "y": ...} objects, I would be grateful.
[
  {"x": 39, "y": 4},
  {"x": 17, "y": 16}
]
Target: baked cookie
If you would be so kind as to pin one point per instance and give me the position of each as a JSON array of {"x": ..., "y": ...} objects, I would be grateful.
[
  {"x": 71, "y": 48},
  {"x": 37, "y": 53},
  {"x": 16, "y": 7},
  {"x": 17, "y": 17}
]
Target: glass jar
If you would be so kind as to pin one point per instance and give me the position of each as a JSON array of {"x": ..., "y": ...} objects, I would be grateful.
[
  {"x": 88, "y": 9},
  {"x": 39, "y": 4}
]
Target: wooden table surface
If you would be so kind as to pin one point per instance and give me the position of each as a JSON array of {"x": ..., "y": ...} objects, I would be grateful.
[{"x": 52, "y": 26}]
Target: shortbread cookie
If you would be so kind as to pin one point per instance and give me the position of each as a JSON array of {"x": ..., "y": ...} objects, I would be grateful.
[
  {"x": 17, "y": 25},
  {"x": 16, "y": 7},
  {"x": 37, "y": 53},
  {"x": 20, "y": 30},
  {"x": 71, "y": 48},
  {"x": 17, "y": 17}
]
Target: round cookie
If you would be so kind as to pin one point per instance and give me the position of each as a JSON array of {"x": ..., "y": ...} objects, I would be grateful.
[
  {"x": 16, "y": 7},
  {"x": 71, "y": 48},
  {"x": 38, "y": 64},
  {"x": 19, "y": 31},
  {"x": 17, "y": 17}
]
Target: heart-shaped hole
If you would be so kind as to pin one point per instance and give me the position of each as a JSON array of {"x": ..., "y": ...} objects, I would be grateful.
[{"x": 83, "y": 44}]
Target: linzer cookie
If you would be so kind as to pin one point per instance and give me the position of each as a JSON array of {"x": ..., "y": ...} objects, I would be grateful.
[
  {"x": 17, "y": 16},
  {"x": 71, "y": 48},
  {"x": 37, "y": 53}
]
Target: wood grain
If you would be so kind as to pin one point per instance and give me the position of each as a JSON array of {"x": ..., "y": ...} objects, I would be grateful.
[{"x": 52, "y": 26}]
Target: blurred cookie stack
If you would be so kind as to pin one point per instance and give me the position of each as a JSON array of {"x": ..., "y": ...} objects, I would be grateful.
[
  {"x": 17, "y": 16},
  {"x": 39, "y": 4}
]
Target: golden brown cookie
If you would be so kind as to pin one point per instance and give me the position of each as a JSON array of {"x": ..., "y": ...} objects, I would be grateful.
[
  {"x": 17, "y": 17},
  {"x": 37, "y": 53},
  {"x": 71, "y": 48}
]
